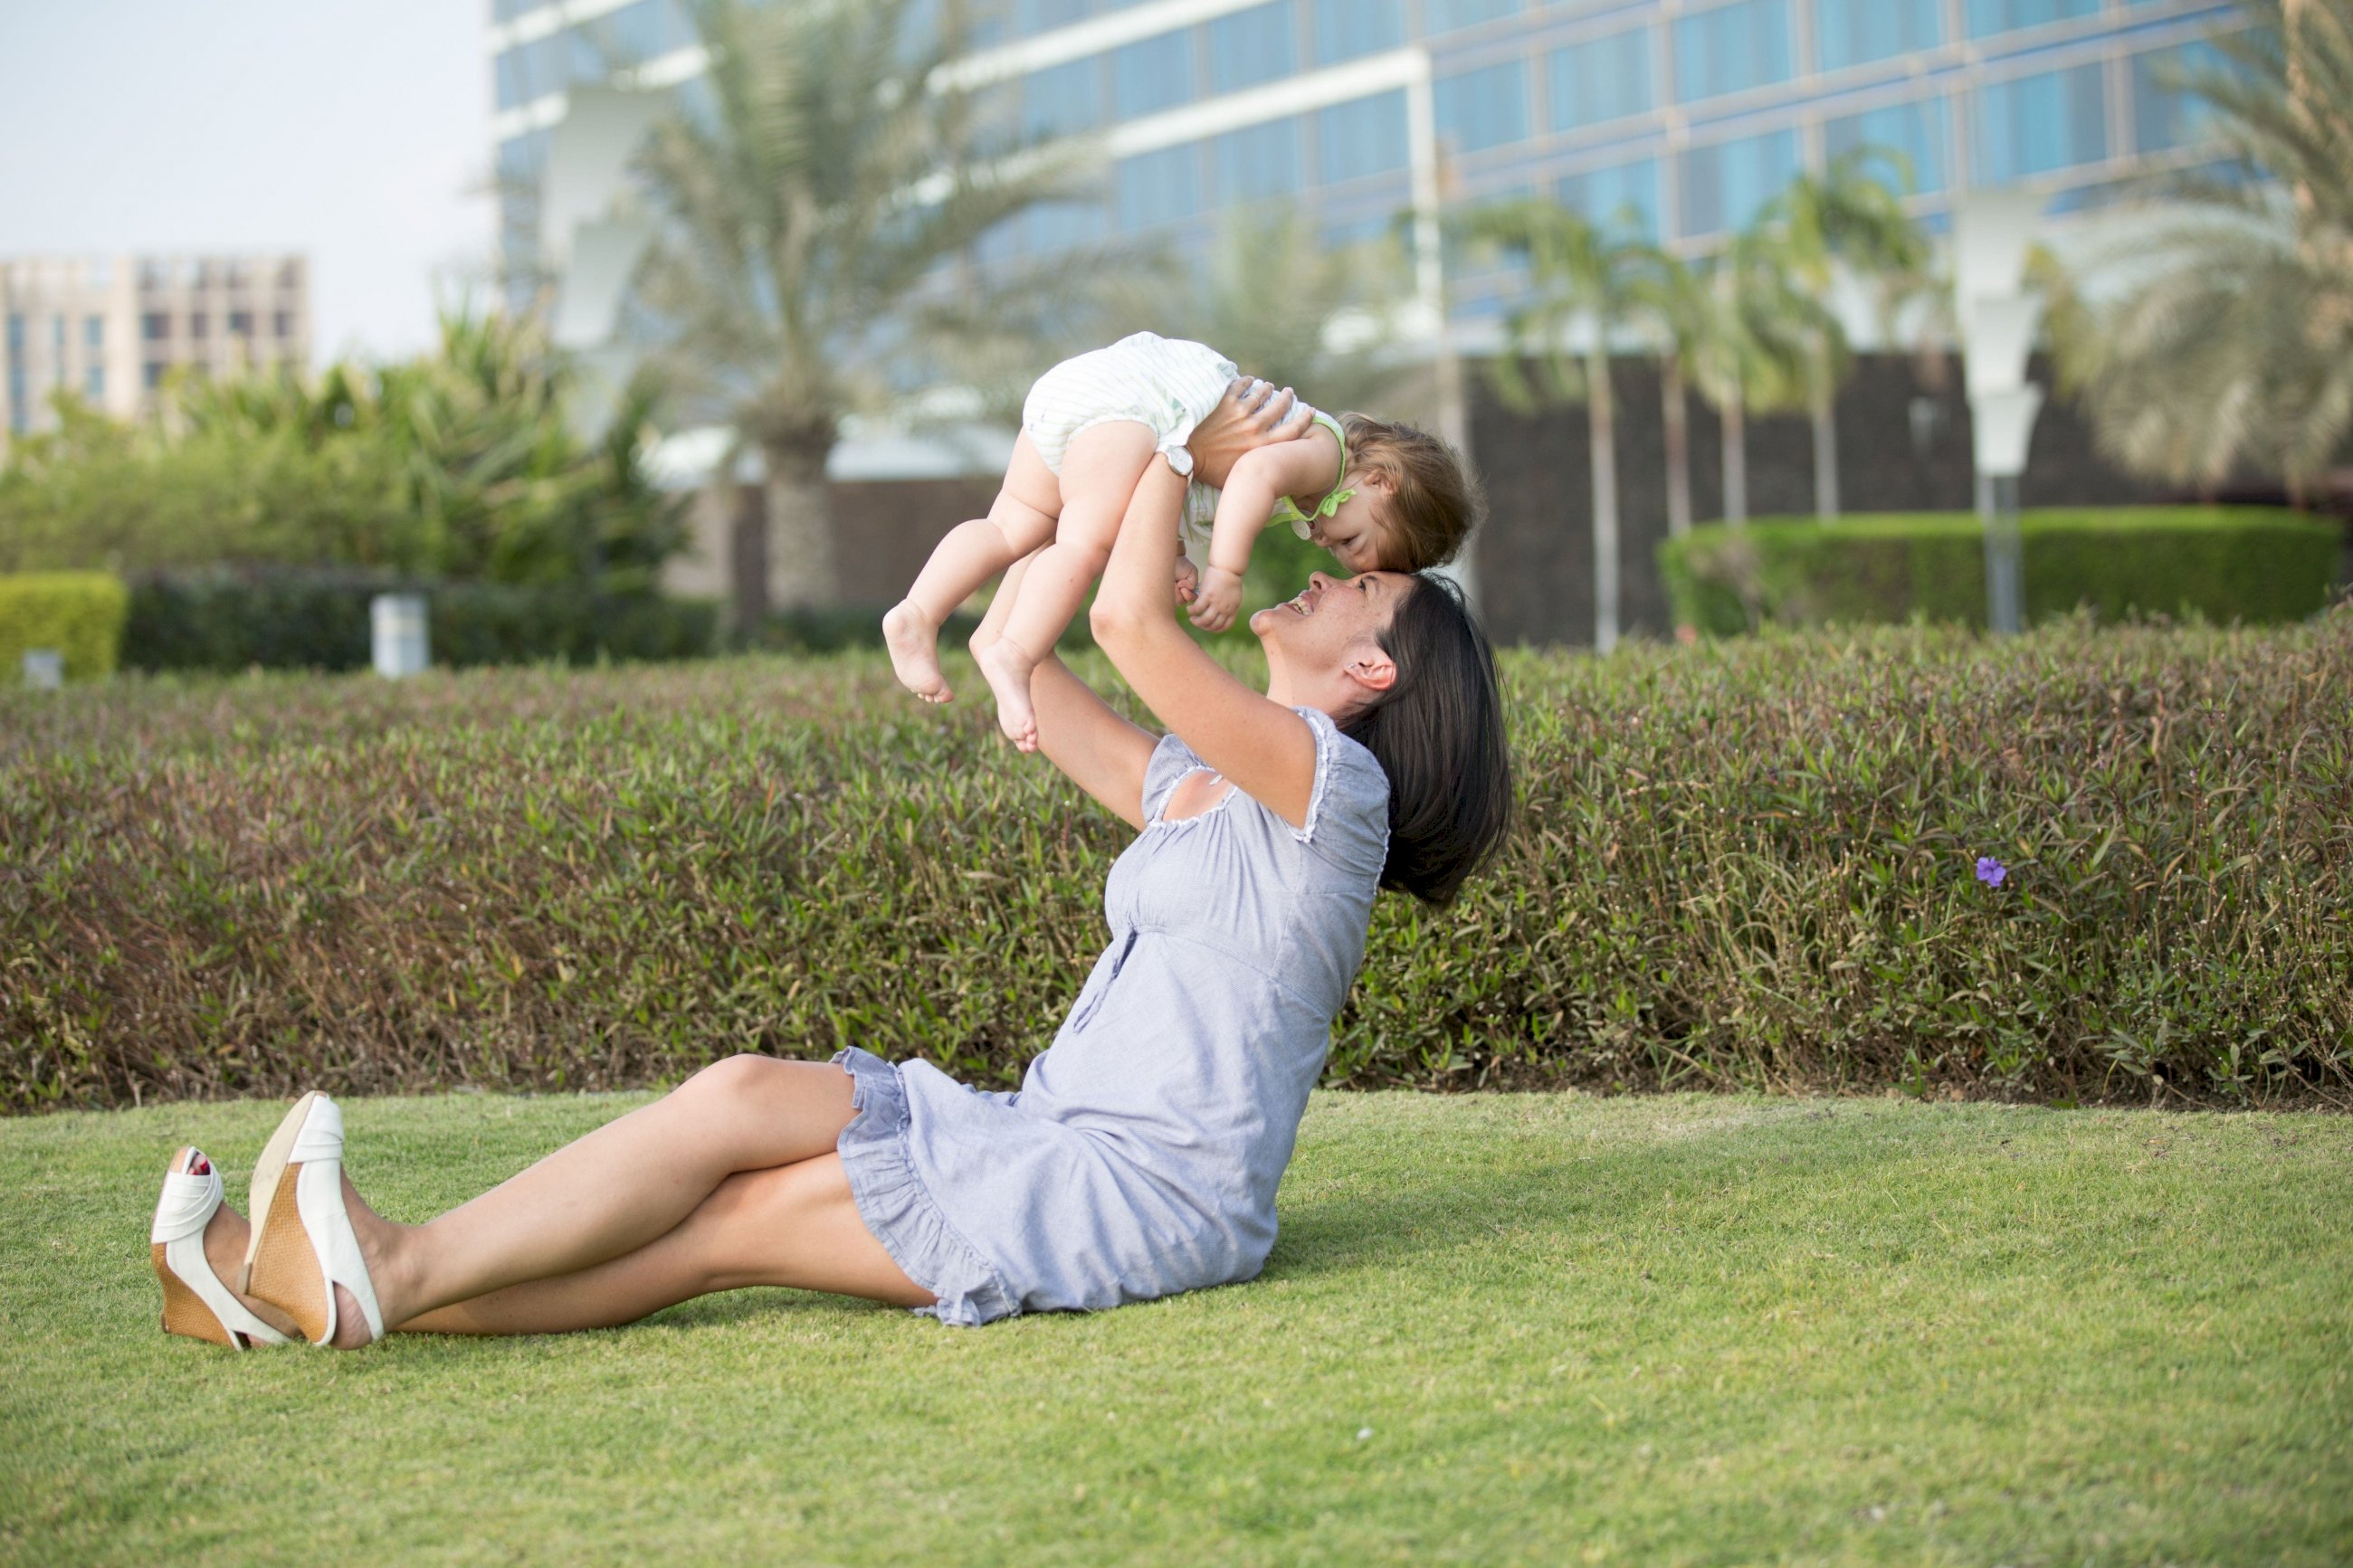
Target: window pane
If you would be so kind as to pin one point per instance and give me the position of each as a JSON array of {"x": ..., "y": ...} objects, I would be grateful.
[
  {"x": 198, "y": 324},
  {"x": 1061, "y": 225},
  {"x": 1724, "y": 185},
  {"x": 16, "y": 334},
  {"x": 513, "y": 79},
  {"x": 93, "y": 384},
  {"x": 1445, "y": 16},
  {"x": 2038, "y": 123},
  {"x": 1256, "y": 163},
  {"x": 1916, "y": 131},
  {"x": 1064, "y": 100},
  {"x": 1731, "y": 48},
  {"x": 1856, "y": 32},
  {"x": 648, "y": 28},
  {"x": 1366, "y": 137},
  {"x": 1159, "y": 187},
  {"x": 2001, "y": 16},
  {"x": 1623, "y": 197},
  {"x": 1605, "y": 78},
  {"x": 281, "y": 324},
  {"x": 155, "y": 326},
  {"x": 1251, "y": 47},
  {"x": 1152, "y": 74},
  {"x": 93, "y": 332},
  {"x": 1042, "y": 16},
  {"x": 2167, "y": 115},
  {"x": 1482, "y": 109},
  {"x": 1346, "y": 28}
]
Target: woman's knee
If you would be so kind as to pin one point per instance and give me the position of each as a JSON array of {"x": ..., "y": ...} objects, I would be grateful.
[{"x": 731, "y": 1078}]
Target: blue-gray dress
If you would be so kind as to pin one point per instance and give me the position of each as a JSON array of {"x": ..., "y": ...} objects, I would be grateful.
[{"x": 1141, "y": 1154}]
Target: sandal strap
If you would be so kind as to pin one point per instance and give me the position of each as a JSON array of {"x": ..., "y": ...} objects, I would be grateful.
[
  {"x": 186, "y": 1206},
  {"x": 184, "y": 1257}
]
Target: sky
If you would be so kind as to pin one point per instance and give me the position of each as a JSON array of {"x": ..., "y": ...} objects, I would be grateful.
[{"x": 356, "y": 132}]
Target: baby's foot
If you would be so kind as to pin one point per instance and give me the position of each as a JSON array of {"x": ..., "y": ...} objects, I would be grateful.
[
  {"x": 913, "y": 640},
  {"x": 1007, "y": 669}
]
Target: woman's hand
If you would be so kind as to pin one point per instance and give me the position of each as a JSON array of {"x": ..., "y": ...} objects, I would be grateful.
[{"x": 1252, "y": 415}]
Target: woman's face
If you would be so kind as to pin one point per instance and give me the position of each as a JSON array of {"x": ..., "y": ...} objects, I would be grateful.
[{"x": 1331, "y": 621}]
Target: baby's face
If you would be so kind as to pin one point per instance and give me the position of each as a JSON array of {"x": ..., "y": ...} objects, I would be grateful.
[{"x": 1357, "y": 533}]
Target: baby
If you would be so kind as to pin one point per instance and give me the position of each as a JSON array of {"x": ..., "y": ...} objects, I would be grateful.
[{"x": 1378, "y": 496}]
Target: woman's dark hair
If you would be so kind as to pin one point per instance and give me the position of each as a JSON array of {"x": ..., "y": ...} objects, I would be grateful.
[{"x": 1437, "y": 733}]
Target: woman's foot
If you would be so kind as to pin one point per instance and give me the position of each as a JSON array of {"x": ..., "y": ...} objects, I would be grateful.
[
  {"x": 198, "y": 1245},
  {"x": 1007, "y": 669},
  {"x": 913, "y": 640},
  {"x": 315, "y": 1248}
]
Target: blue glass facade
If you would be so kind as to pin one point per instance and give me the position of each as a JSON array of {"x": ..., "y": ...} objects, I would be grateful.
[{"x": 1679, "y": 122}]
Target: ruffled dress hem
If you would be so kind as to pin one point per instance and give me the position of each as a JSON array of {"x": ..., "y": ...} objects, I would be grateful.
[{"x": 900, "y": 1210}]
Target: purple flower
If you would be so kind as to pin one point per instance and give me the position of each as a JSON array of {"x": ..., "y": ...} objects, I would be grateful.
[{"x": 1991, "y": 871}]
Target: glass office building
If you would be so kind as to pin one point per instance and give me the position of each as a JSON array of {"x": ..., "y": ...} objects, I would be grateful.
[{"x": 1679, "y": 117}]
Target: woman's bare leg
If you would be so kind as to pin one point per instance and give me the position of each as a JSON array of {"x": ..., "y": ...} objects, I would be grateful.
[
  {"x": 795, "y": 1225},
  {"x": 1020, "y": 520},
  {"x": 1099, "y": 476},
  {"x": 628, "y": 1184}
]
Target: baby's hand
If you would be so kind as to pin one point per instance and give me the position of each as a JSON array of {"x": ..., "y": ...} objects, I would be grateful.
[
  {"x": 1220, "y": 596},
  {"x": 1188, "y": 581}
]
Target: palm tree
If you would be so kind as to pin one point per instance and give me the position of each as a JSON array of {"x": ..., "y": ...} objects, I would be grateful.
[
  {"x": 1579, "y": 276},
  {"x": 1746, "y": 333},
  {"x": 805, "y": 268},
  {"x": 2227, "y": 342},
  {"x": 1844, "y": 219}
]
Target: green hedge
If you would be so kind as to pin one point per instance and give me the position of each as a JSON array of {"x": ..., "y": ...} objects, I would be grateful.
[
  {"x": 79, "y": 614},
  {"x": 311, "y": 620},
  {"x": 1747, "y": 863},
  {"x": 2254, "y": 564}
]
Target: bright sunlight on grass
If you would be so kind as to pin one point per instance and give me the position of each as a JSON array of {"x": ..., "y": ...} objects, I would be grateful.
[{"x": 1538, "y": 1329}]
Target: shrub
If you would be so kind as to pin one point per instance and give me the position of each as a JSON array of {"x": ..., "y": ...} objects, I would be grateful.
[
  {"x": 319, "y": 620},
  {"x": 79, "y": 614},
  {"x": 1749, "y": 863},
  {"x": 2227, "y": 563}
]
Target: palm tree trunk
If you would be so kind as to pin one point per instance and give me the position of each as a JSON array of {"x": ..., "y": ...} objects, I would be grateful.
[
  {"x": 801, "y": 571},
  {"x": 1676, "y": 426},
  {"x": 1736, "y": 461},
  {"x": 1826, "y": 474},
  {"x": 1601, "y": 420}
]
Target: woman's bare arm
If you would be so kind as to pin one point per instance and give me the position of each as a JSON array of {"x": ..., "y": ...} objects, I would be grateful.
[
  {"x": 1263, "y": 747},
  {"x": 1102, "y": 753}
]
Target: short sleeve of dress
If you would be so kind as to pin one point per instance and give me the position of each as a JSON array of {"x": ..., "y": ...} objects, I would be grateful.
[
  {"x": 1171, "y": 761},
  {"x": 1348, "y": 809}
]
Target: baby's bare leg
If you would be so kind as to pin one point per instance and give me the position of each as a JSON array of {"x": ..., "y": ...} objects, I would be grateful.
[
  {"x": 1020, "y": 520},
  {"x": 1099, "y": 477}
]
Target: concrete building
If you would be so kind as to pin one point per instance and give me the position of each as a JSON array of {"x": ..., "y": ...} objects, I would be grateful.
[
  {"x": 1677, "y": 118},
  {"x": 109, "y": 328},
  {"x": 1685, "y": 114}
]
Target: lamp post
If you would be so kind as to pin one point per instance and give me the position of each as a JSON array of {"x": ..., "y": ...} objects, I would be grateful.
[
  {"x": 1430, "y": 281},
  {"x": 1998, "y": 321}
]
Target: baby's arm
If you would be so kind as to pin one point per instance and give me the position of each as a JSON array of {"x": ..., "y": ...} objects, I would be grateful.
[{"x": 1259, "y": 478}]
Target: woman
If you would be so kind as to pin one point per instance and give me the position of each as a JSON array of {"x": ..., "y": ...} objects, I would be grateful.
[{"x": 1142, "y": 1154}]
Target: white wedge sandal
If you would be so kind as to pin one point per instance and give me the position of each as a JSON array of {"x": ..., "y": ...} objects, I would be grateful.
[
  {"x": 303, "y": 1245},
  {"x": 196, "y": 1302}
]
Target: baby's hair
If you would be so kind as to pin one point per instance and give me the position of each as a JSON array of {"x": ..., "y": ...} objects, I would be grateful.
[{"x": 1433, "y": 500}]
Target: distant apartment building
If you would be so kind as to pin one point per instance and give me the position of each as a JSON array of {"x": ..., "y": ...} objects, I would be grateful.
[{"x": 109, "y": 330}]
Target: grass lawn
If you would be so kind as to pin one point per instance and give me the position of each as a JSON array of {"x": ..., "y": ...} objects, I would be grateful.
[{"x": 1543, "y": 1329}]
